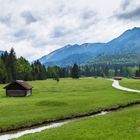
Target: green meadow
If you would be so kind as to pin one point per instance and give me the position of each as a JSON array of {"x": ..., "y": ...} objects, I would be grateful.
[
  {"x": 53, "y": 100},
  {"x": 120, "y": 125},
  {"x": 131, "y": 83}
]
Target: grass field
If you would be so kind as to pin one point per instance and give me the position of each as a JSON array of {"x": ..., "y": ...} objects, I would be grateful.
[
  {"x": 53, "y": 100},
  {"x": 131, "y": 83},
  {"x": 120, "y": 125}
]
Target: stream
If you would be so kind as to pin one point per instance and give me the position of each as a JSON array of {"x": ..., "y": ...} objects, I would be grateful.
[{"x": 18, "y": 134}]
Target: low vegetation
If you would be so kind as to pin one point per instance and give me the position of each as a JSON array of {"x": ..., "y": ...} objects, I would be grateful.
[
  {"x": 120, "y": 125},
  {"x": 53, "y": 100}
]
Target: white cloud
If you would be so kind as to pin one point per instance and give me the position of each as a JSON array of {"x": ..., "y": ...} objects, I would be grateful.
[{"x": 37, "y": 27}]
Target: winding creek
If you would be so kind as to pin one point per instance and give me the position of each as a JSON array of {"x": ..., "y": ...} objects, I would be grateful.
[
  {"x": 44, "y": 127},
  {"x": 39, "y": 128}
]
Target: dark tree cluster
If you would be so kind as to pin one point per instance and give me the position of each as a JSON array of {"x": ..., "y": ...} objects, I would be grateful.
[
  {"x": 56, "y": 72},
  {"x": 137, "y": 74},
  {"x": 75, "y": 71},
  {"x": 13, "y": 68},
  {"x": 38, "y": 71},
  {"x": 95, "y": 70},
  {"x": 108, "y": 70}
]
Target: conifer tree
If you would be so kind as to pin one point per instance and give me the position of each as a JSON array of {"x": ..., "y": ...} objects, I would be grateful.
[{"x": 75, "y": 71}]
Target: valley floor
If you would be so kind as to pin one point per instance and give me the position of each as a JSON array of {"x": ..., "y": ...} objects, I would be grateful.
[
  {"x": 52, "y": 100},
  {"x": 120, "y": 125}
]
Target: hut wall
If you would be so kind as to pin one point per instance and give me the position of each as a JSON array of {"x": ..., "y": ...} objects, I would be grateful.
[
  {"x": 28, "y": 92},
  {"x": 16, "y": 93}
]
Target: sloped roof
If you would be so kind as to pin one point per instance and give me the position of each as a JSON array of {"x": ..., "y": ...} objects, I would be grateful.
[{"x": 22, "y": 83}]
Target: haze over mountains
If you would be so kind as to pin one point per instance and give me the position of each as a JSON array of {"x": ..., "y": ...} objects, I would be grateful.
[{"x": 125, "y": 46}]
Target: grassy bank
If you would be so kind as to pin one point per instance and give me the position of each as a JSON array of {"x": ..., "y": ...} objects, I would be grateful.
[
  {"x": 120, "y": 125},
  {"x": 53, "y": 100},
  {"x": 131, "y": 83}
]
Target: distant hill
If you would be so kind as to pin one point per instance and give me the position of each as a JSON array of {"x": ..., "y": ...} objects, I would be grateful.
[
  {"x": 72, "y": 54},
  {"x": 127, "y": 44},
  {"x": 128, "y": 58}
]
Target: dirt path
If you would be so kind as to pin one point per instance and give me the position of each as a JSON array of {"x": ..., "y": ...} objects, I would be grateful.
[{"x": 116, "y": 85}]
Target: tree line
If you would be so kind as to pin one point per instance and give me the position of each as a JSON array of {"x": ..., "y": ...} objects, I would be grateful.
[
  {"x": 109, "y": 70},
  {"x": 13, "y": 68},
  {"x": 56, "y": 72},
  {"x": 96, "y": 70}
]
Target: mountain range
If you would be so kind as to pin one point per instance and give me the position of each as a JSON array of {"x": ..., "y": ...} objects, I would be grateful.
[
  {"x": 126, "y": 44},
  {"x": 123, "y": 49}
]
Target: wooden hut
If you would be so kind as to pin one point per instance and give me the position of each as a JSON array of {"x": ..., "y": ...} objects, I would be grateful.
[
  {"x": 118, "y": 78},
  {"x": 18, "y": 88},
  {"x": 138, "y": 78}
]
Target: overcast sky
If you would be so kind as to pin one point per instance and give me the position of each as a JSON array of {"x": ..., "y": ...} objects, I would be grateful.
[{"x": 36, "y": 27}]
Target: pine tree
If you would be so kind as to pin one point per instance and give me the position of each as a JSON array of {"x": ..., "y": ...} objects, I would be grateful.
[
  {"x": 3, "y": 72},
  {"x": 23, "y": 69},
  {"x": 137, "y": 74},
  {"x": 75, "y": 71},
  {"x": 12, "y": 65},
  {"x": 38, "y": 71}
]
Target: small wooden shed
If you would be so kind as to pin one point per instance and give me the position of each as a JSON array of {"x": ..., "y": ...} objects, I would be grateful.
[
  {"x": 18, "y": 88},
  {"x": 138, "y": 78},
  {"x": 118, "y": 78}
]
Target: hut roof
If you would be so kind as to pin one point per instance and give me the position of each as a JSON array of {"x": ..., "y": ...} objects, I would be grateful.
[
  {"x": 118, "y": 78},
  {"x": 21, "y": 83}
]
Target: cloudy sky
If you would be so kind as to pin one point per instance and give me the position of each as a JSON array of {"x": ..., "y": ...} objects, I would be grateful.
[{"x": 36, "y": 27}]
